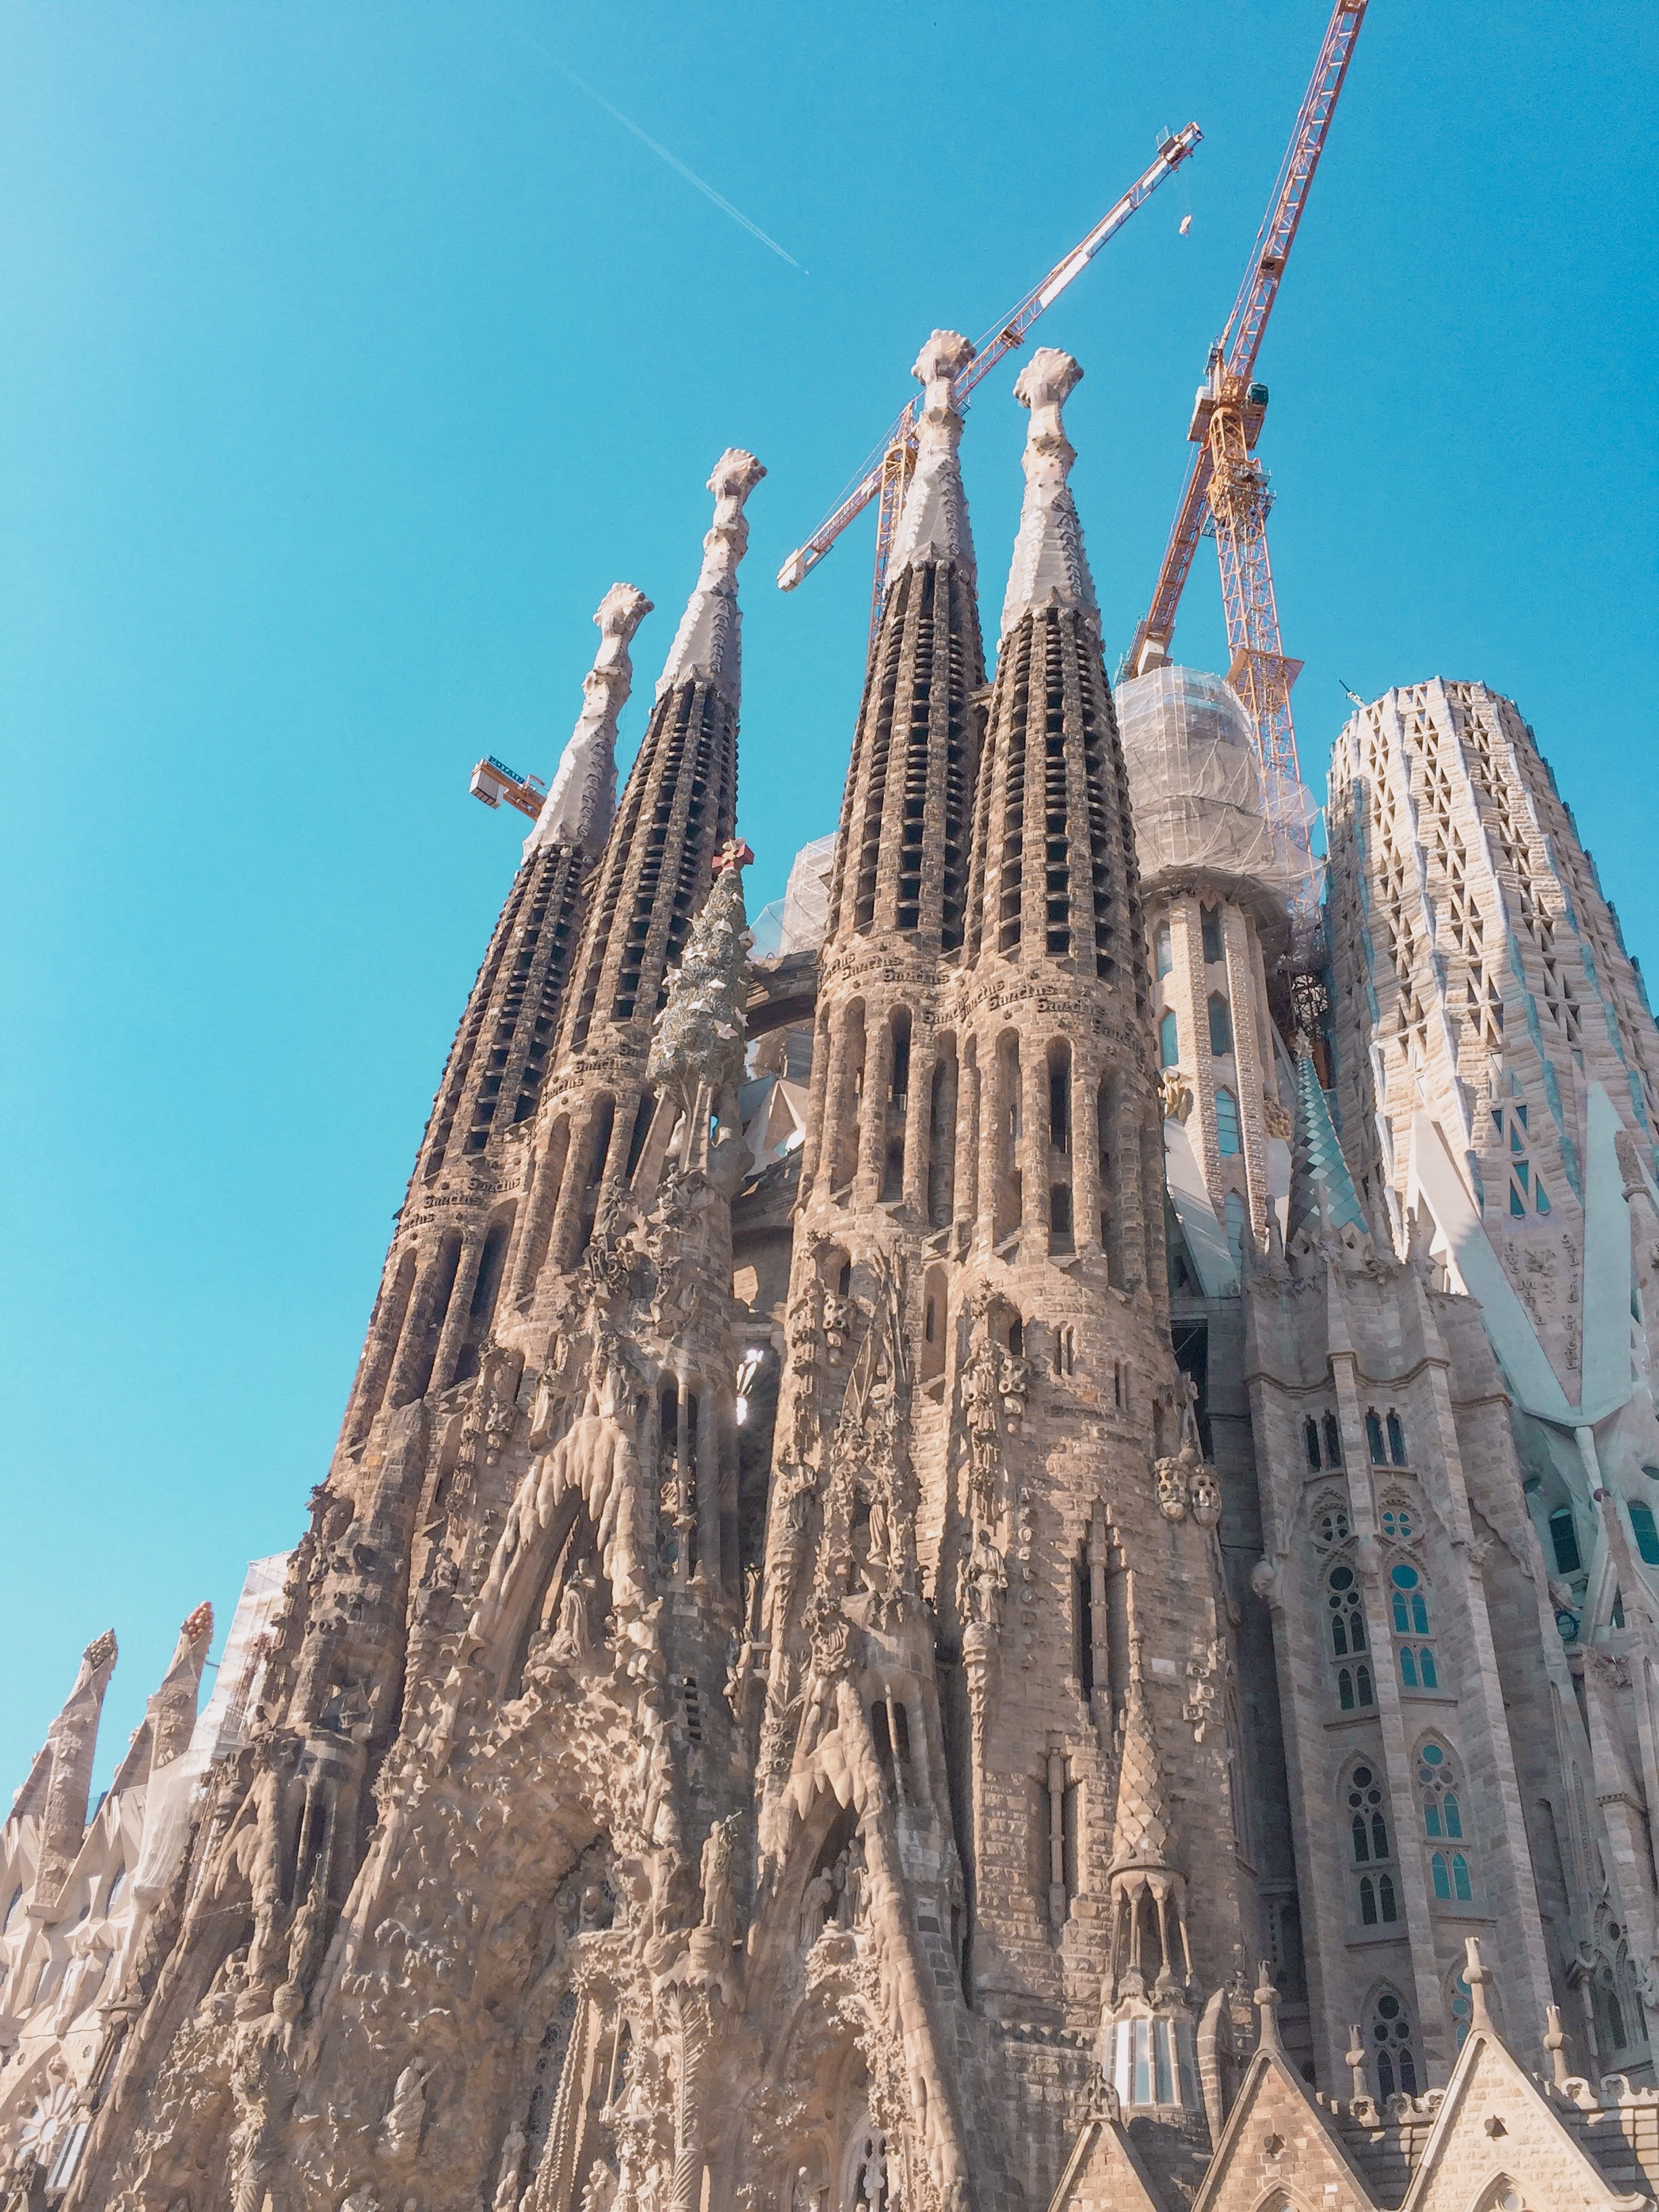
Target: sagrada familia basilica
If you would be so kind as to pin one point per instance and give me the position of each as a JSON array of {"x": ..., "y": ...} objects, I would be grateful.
[{"x": 979, "y": 1562}]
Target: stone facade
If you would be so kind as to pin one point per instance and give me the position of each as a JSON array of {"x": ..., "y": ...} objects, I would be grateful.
[{"x": 948, "y": 1583}]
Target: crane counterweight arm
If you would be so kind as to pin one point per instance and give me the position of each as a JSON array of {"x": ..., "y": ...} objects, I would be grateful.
[{"x": 1003, "y": 336}]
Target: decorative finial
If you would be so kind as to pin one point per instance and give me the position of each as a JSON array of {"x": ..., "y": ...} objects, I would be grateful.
[
  {"x": 1355, "y": 2055},
  {"x": 578, "y": 808},
  {"x": 735, "y": 853},
  {"x": 1555, "y": 2043},
  {"x": 198, "y": 1624},
  {"x": 933, "y": 523},
  {"x": 1049, "y": 569},
  {"x": 706, "y": 644},
  {"x": 1267, "y": 2006},
  {"x": 1476, "y": 1976}
]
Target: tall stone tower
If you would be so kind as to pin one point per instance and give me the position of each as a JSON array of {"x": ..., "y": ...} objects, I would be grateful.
[
  {"x": 999, "y": 1670},
  {"x": 1495, "y": 1065}
]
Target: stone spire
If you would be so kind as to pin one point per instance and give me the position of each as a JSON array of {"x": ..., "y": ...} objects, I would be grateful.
[
  {"x": 680, "y": 803},
  {"x": 61, "y": 1785},
  {"x": 1049, "y": 569},
  {"x": 1051, "y": 870},
  {"x": 932, "y": 525},
  {"x": 699, "y": 1037},
  {"x": 707, "y": 644},
  {"x": 170, "y": 1714},
  {"x": 582, "y": 796},
  {"x": 1323, "y": 1201},
  {"x": 1140, "y": 1831},
  {"x": 901, "y": 859}
]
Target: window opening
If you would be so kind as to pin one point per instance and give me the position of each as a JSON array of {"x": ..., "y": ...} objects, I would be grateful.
[
  {"x": 1210, "y": 928},
  {"x": 1221, "y": 1026},
  {"x": 1169, "y": 1041},
  {"x": 1564, "y": 1541},
  {"x": 1226, "y": 1125}
]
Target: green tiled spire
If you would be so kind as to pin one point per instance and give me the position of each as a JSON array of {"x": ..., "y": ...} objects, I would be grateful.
[{"x": 1322, "y": 1189}]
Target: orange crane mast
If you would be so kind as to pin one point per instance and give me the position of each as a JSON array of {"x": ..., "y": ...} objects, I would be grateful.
[
  {"x": 886, "y": 476},
  {"x": 1227, "y": 492}
]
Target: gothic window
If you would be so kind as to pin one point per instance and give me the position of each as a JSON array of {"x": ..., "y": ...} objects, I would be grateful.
[
  {"x": 1409, "y": 1600},
  {"x": 1346, "y": 1614},
  {"x": 1354, "y": 1689},
  {"x": 1330, "y": 1523},
  {"x": 1169, "y": 1041},
  {"x": 1374, "y": 1441},
  {"x": 1564, "y": 1541},
  {"x": 1397, "y": 1439},
  {"x": 1221, "y": 1026},
  {"x": 1442, "y": 1825},
  {"x": 1226, "y": 1121},
  {"x": 1163, "y": 949},
  {"x": 1210, "y": 926},
  {"x": 1333, "y": 1440},
  {"x": 1646, "y": 1534},
  {"x": 1398, "y": 1522},
  {"x": 1310, "y": 1439},
  {"x": 1393, "y": 2057}
]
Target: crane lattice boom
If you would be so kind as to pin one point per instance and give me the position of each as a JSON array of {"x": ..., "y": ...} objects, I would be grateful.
[
  {"x": 887, "y": 473},
  {"x": 1226, "y": 488}
]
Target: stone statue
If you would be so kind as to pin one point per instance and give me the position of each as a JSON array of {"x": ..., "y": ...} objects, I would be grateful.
[
  {"x": 574, "y": 1637},
  {"x": 984, "y": 1581},
  {"x": 405, "y": 2117},
  {"x": 505, "y": 2198}
]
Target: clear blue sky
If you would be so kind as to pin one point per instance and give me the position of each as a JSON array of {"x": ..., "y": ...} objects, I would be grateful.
[{"x": 349, "y": 352}]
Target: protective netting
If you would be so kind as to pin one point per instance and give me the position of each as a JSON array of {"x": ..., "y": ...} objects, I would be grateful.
[{"x": 1196, "y": 788}]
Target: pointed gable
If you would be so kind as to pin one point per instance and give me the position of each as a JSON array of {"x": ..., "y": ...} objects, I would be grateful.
[
  {"x": 1280, "y": 2137},
  {"x": 1499, "y": 2132},
  {"x": 1103, "y": 2173}
]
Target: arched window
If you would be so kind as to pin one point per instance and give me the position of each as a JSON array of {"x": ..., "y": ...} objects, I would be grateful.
[
  {"x": 1346, "y": 1613},
  {"x": 1163, "y": 949},
  {"x": 1411, "y": 1605},
  {"x": 1221, "y": 1026},
  {"x": 1443, "y": 1824},
  {"x": 1333, "y": 1440},
  {"x": 1397, "y": 1439},
  {"x": 1369, "y": 1840},
  {"x": 118, "y": 1882},
  {"x": 1374, "y": 1443},
  {"x": 1397, "y": 1523},
  {"x": 1564, "y": 1541},
  {"x": 1353, "y": 1689},
  {"x": 1169, "y": 1041},
  {"x": 1226, "y": 1124},
  {"x": 1393, "y": 2058},
  {"x": 1310, "y": 1439},
  {"x": 1646, "y": 1534}
]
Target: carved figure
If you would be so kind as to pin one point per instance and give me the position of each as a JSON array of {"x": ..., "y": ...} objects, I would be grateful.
[
  {"x": 1204, "y": 1493},
  {"x": 1171, "y": 1477},
  {"x": 574, "y": 1637},
  {"x": 405, "y": 2117},
  {"x": 508, "y": 2171}
]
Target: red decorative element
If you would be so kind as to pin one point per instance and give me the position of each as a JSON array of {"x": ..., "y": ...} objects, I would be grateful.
[{"x": 734, "y": 853}]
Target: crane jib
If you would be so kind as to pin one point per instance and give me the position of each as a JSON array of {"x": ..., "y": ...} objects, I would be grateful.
[{"x": 1005, "y": 335}]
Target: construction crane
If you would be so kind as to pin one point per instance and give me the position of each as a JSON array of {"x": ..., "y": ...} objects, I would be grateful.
[
  {"x": 494, "y": 781},
  {"x": 887, "y": 474},
  {"x": 1227, "y": 492}
]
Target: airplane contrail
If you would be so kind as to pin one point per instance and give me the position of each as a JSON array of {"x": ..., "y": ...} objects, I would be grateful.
[{"x": 672, "y": 159}]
